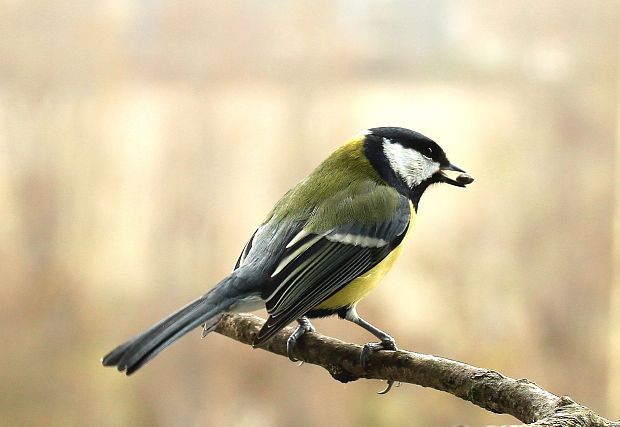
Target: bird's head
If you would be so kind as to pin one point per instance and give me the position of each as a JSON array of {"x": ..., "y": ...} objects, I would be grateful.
[{"x": 410, "y": 161}]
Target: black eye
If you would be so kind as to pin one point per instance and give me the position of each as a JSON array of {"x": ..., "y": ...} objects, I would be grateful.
[{"x": 428, "y": 152}]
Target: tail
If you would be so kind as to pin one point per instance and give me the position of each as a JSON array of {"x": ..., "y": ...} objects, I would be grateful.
[{"x": 206, "y": 310}]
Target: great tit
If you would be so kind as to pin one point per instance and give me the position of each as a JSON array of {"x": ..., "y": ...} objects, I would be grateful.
[{"x": 325, "y": 245}]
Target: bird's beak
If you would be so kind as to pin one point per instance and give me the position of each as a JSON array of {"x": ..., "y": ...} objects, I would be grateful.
[{"x": 462, "y": 179}]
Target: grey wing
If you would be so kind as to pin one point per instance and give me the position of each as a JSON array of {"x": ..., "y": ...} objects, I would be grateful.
[
  {"x": 266, "y": 246},
  {"x": 244, "y": 253},
  {"x": 314, "y": 267}
]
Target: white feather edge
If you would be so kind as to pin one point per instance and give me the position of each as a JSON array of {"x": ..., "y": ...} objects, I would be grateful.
[
  {"x": 357, "y": 240},
  {"x": 345, "y": 238},
  {"x": 286, "y": 261}
]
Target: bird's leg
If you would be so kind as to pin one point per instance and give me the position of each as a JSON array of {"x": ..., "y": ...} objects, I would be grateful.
[
  {"x": 387, "y": 342},
  {"x": 303, "y": 327}
]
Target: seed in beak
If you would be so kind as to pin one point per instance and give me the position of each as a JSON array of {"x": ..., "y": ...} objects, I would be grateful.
[{"x": 464, "y": 179}]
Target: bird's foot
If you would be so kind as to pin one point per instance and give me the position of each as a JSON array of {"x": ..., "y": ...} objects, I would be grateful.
[
  {"x": 303, "y": 327},
  {"x": 386, "y": 344},
  {"x": 371, "y": 347}
]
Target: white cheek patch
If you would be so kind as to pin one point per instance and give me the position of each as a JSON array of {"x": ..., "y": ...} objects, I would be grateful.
[{"x": 409, "y": 164}]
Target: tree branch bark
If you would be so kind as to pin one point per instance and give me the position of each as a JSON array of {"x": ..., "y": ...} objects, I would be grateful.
[{"x": 490, "y": 390}]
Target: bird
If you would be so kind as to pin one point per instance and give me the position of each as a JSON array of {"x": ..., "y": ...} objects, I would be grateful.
[{"x": 324, "y": 246}]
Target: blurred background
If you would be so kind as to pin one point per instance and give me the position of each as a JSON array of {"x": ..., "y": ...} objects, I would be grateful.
[{"x": 142, "y": 142}]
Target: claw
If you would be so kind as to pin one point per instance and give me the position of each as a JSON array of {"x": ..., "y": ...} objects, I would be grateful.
[
  {"x": 304, "y": 326},
  {"x": 388, "y": 344},
  {"x": 387, "y": 388},
  {"x": 366, "y": 350},
  {"x": 290, "y": 345}
]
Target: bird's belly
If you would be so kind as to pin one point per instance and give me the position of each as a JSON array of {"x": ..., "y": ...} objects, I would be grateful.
[{"x": 360, "y": 287}]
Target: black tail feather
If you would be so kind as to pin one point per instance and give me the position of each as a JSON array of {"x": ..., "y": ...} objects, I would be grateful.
[{"x": 133, "y": 354}]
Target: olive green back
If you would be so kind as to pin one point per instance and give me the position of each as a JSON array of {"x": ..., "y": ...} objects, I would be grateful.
[{"x": 344, "y": 188}]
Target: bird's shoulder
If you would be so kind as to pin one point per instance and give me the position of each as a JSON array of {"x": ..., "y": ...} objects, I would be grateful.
[
  {"x": 363, "y": 204},
  {"x": 341, "y": 199}
]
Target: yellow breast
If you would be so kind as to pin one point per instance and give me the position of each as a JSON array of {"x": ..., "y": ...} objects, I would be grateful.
[{"x": 360, "y": 287}]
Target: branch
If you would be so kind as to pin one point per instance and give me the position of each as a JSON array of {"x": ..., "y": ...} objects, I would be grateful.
[{"x": 488, "y": 389}]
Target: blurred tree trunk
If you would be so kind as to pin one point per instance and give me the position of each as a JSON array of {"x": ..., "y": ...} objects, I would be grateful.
[{"x": 614, "y": 315}]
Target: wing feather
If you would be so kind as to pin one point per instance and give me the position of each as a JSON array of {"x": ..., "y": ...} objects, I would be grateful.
[
  {"x": 244, "y": 253},
  {"x": 309, "y": 274}
]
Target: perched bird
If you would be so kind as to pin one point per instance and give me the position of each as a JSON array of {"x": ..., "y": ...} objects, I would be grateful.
[{"x": 325, "y": 245}]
